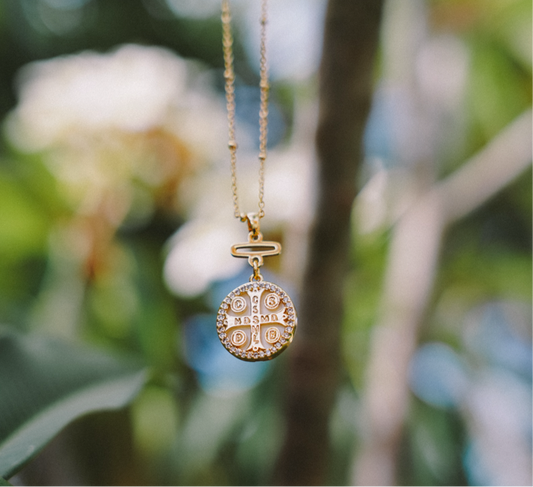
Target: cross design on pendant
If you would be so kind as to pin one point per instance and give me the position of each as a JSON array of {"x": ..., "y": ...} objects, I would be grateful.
[
  {"x": 256, "y": 319},
  {"x": 243, "y": 322}
]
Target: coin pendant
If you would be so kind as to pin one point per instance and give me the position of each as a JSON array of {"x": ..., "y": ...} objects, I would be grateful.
[{"x": 256, "y": 321}]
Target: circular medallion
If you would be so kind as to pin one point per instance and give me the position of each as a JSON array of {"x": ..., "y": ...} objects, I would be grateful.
[{"x": 256, "y": 321}]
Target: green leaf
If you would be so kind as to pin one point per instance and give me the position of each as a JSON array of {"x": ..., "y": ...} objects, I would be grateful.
[
  {"x": 46, "y": 383},
  {"x": 4, "y": 481}
]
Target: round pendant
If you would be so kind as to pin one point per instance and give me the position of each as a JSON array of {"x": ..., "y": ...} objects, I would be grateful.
[{"x": 256, "y": 321}]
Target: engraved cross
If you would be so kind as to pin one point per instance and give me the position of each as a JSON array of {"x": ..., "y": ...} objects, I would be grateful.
[{"x": 255, "y": 319}]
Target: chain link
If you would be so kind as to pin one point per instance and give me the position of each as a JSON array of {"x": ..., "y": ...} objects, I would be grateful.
[
  {"x": 229, "y": 75},
  {"x": 256, "y": 276}
]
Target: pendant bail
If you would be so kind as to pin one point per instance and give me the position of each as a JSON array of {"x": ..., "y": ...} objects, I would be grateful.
[{"x": 252, "y": 219}]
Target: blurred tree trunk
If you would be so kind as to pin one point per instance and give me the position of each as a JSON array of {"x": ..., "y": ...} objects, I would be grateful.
[{"x": 346, "y": 73}]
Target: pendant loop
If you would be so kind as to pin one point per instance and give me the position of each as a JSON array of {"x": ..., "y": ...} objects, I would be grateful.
[
  {"x": 256, "y": 250},
  {"x": 256, "y": 264}
]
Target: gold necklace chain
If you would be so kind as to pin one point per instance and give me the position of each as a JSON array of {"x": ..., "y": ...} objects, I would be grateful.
[
  {"x": 229, "y": 75},
  {"x": 257, "y": 320}
]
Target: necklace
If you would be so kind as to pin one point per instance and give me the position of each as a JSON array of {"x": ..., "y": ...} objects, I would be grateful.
[{"x": 257, "y": 320}]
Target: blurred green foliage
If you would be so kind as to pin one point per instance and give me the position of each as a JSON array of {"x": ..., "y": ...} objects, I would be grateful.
[{"x": 46, "y": 384}]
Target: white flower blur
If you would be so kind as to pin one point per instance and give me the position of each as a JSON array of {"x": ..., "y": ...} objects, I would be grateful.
[
  {"x": 103, "y": 121},
  {"x": 200, "y": 255}
]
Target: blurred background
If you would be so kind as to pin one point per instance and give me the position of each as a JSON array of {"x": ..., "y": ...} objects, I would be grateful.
[{"x": 116, "y": 223}]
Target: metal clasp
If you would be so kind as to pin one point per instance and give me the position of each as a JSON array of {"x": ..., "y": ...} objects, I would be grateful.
[{"x": 252, "y": 219}]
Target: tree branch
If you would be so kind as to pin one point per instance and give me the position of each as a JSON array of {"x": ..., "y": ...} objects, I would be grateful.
[{"x": 409, "y": 282}]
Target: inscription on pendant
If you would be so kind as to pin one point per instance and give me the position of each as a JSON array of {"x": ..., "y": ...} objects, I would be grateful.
[
  {"x": 238, "y": 338},
  {"x": 272, "y": 335},
  {"x": 256, "y": 321},
  {"x": 238, "y": 304},
  {"x": 272, "y": 301}
]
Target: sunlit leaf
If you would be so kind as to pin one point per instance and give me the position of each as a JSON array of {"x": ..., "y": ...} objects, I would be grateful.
[
  {"x": 498, "y": 90},
  {"x": 22, "y": 226},
  {"x": 45, "y": 384}
]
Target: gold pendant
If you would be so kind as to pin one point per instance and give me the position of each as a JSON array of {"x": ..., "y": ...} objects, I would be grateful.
[{"x": 257, "y": 320}]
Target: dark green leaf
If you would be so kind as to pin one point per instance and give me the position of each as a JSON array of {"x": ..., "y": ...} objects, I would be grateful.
[{"x": 46, "y": 383}]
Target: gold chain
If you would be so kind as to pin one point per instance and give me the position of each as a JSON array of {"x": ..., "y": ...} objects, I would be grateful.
[{"x": 229, "y": 75}]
